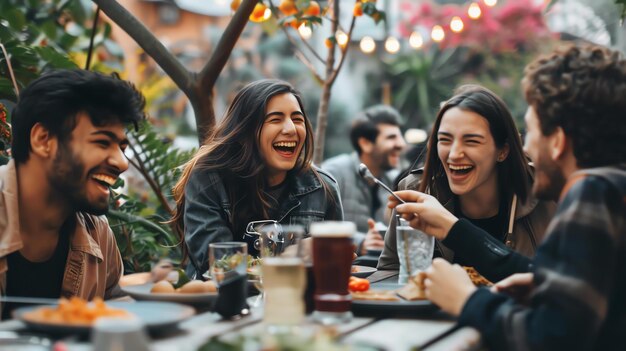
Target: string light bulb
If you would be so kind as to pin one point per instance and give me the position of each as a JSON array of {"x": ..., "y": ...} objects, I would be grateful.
[
  {"x": 437, "y": 34},
  {"x": 456, "y": 24},
  {"x": 416, "y": 41},
  {"x": 490, "y": 3},
  {"x": 305, "y": 31},
  {"x": 474, "y": 11},
  {"x": 367, "y": 45},
  {"x": 392, "y": 45},
  {"x": 341, "y": 37}
]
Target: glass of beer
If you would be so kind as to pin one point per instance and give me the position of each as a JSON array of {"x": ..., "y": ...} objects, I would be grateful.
[
  {"x": 283, "y": 277},
  {"x": 332, "y": 263}
]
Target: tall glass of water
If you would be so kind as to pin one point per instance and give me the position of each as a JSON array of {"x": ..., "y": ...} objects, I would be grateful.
[
  {"x": 283, "y": 277},
  {"x": 415, "y": 249}
]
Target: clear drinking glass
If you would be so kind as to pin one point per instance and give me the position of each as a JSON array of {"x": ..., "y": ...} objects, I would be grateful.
[
  {"x": 283, "y": 277},
  {"x": 415, "y": 250},
  {"x": 332, "y": 264},
  {"x": 227, "y": 259}
]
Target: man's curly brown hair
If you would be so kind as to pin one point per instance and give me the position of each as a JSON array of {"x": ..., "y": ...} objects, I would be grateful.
[{"x": 582, "y": 89}]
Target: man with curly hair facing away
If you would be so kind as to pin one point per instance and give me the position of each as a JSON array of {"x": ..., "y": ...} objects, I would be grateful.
[{"x": 575, "y": 296}]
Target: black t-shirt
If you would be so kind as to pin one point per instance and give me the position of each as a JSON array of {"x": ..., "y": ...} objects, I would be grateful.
[
  {"x": 36, "y": 279},
  {"x": 495, "y": 226}
]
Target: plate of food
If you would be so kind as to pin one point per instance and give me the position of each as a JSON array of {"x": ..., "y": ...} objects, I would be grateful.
[
  {"x": 390, "y": 299},
  {"x": 194, "y": 292},
  {"x": 362, "y": 271},
  {"x": 77, "y": 316}
]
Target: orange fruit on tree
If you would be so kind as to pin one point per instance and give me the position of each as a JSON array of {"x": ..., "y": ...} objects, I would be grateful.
[
  {"x": 258, "y": 13},
  {"x": 234, "y": 5},
  {"x": 313, "y": 9},
  {"x": 328, "y": 43},
  {"x": 288, "y": 7},
  {"x": 358, "y": 10}
]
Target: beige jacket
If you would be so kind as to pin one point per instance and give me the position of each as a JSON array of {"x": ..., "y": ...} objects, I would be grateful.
[
  {"x": 525, "y": 231},
  {"x": 94, "y": 264}
]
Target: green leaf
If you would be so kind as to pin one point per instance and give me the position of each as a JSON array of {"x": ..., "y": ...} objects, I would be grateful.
[
  {"x": 182, "y": 279},
  {"x": 49, "y": 28},
  {"x": 54, "y": 58},
  {"x": 16, "y": 19},
  {"x": 6, "y": 89}
]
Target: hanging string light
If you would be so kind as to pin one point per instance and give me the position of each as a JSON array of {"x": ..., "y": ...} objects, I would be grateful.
[
  {"x": 490, "y": 3},
  {"x": 367, "y": 45},
  {"x": 474, "y": 11},
  {"x": 392, "y": 45},
  {"x": 342, "y": 38},
  {"x": 305, "y": 31},
  {"x": 416, "y": 41},
  {"x": 437, "y": 33},
  {"x": 456, "y": 24}
]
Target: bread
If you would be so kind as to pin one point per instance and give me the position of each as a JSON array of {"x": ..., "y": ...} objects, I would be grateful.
[
  {"x": 414, "y": 289},
  {"x": 476, "y": 277},
  {"x": 375, "y": 295}
]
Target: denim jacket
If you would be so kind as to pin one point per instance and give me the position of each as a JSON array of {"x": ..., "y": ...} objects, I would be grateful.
[{"x": 208, "y": 214}]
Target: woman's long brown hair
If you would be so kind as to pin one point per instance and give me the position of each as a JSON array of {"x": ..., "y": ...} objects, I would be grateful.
[
  {"x": 514, "y": 173},
  {"x": 232, "y": 151}
]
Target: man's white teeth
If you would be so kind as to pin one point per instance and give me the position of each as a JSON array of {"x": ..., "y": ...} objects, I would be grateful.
[
  {"x": 285, "y": 144},
  {"x": 104, "y": 178},
  {"x": 459, "y": 168}
]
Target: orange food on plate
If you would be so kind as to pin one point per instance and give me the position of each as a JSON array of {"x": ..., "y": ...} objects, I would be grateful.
[
  {"x": 75, "y": 311},
  {"x": 476, "y": 277},
  {"x": 358, "y": 284}
]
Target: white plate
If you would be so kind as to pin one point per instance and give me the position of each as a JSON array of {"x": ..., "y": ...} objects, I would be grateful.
[
  {"x": 206, "y": 276},
  {"x": 363, "y": 271},
  {"x": 154, "y": 315},
  {"x": 142, "y": 292}
]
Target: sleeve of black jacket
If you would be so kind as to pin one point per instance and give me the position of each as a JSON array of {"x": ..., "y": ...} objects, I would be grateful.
[
  {"x": 574, "y": 275},
  {"x": 491, "y": 258}
]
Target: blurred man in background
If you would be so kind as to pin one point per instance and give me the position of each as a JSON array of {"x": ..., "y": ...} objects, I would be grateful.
[{"x": 378, "y": 143}]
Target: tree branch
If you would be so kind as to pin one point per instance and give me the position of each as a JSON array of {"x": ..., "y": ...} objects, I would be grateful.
[
  {"x": 210, "y": 72},
  {"x": 310, "y": 66},
  {"x": 344, "y": 51},
  {"x": 149, "y": 43}
]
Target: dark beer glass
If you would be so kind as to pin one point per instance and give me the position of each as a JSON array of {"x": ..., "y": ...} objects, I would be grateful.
[{"x": 332, "y": 263}]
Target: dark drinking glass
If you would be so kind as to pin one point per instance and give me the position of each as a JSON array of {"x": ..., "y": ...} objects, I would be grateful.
[{"x": 332, "y": 263}]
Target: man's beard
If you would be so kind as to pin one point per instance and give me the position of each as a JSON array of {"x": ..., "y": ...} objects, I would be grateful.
[
  {"x": 68, "y": 179},
  {"x": 383, "y": 161},
  {"x": 549, "y": 179}
]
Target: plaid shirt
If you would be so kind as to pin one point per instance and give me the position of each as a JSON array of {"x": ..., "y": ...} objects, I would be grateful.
[{"x": 579, "y": 299}]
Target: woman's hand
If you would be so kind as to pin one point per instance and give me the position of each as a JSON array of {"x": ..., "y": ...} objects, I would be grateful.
[
  {"x": 518, "y": 286},
  {"x": 424, "y": 212},
  {"x": 448, "y": 286},
  {"x": 372, "y": 240}
]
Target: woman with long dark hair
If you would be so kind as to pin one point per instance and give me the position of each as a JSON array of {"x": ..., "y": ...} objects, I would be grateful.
[
  {"x": 476, "y": 168},
  {"x": 256, "y": 165}
]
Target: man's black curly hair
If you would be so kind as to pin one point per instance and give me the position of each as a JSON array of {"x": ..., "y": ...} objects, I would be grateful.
[
  {"x": 582, "y": 89},
  {"x": 55, "y": 99}
]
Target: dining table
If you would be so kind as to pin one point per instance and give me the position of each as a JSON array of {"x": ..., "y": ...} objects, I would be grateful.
[{"x": 431, "y": 331}]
